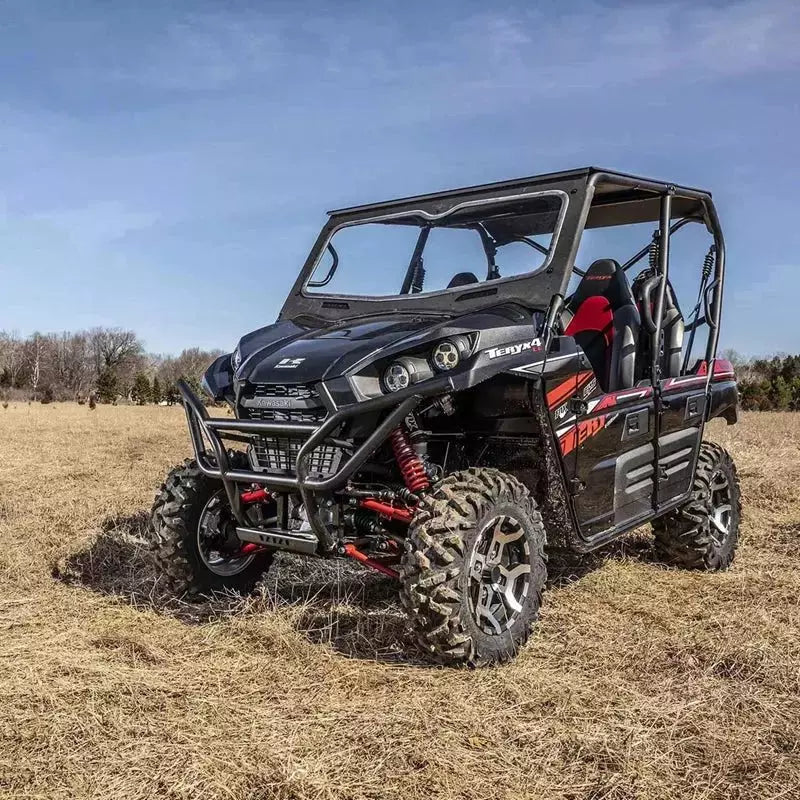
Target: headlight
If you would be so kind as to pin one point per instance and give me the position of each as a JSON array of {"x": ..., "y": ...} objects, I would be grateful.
[
  {"x": 446, "y": 355},
  {"x": 236, "y": 358},
  {"x": 396, "y": 377}
]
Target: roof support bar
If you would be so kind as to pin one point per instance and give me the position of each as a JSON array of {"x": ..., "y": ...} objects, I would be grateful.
[{"x": 663, "y": 270}]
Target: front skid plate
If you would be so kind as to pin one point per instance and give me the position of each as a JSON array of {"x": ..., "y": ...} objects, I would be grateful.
[{"x": 291, "y": 541}]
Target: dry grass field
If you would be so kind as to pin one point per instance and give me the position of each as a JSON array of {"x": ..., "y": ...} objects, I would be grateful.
[{"x": 641, "y": 682}]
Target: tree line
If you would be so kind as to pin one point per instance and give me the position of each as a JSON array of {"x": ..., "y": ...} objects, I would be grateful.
[
  {"x": 111, "y": 365},
  {"x": 768, "y": 384},
  {"x": 107, "y": 365}
]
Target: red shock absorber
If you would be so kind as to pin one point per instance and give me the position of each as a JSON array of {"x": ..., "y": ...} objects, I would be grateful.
[{"x": 411, "y": 466}]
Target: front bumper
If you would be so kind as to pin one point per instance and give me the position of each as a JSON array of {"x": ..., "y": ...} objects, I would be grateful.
[{"x": 212, "y": 431}]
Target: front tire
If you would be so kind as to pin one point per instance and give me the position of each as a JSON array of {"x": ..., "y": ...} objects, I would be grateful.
[
  {"x": 703, "y": 533},
  {"x": 194, "y": 540},
  {"x": 474, "y": 569}
]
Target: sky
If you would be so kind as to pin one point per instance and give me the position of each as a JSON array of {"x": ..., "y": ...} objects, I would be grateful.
[{"x": 166, "y": 166}]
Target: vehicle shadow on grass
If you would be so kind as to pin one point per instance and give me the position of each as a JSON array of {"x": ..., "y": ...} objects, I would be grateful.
[
  {"x": 337, "y": 603},
  {"x": 333, "y": 602}
]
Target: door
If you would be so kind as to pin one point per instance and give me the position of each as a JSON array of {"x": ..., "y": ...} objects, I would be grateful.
[
  {"x": 613, "y": 440},
  {"x": 681, "y": 412}
]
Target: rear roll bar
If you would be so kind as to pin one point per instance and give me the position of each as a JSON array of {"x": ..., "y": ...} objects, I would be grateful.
[{"x": 202, "y": 428}]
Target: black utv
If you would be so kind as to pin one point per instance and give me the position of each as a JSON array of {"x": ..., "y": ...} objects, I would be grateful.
[{"x": 447, "y": 395}]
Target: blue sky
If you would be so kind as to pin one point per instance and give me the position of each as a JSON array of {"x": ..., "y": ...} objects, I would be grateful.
[{"x": 166, "y": 166}]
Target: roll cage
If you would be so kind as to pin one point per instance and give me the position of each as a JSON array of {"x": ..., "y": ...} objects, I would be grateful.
[{"x": 593, "y": 198}]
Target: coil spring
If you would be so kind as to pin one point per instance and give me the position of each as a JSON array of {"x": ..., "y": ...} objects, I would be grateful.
[
  {"x": 411, "y": 466},
  {"x": 708, "y": 262},
  {"x": 652, "y": 254}
]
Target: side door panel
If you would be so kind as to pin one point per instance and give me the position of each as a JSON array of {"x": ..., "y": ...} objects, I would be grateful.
[
  {"x": 681, "y": 410},
  {"x": 614, "y": 441},
  {"x": 606, "y": 442},
  {"x": 559, "y": 396}
]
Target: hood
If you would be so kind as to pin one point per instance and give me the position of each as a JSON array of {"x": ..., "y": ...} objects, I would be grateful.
[{"x": 289, "y": 352}]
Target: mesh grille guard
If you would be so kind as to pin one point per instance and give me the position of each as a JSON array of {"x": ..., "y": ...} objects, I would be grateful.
[
  {"x": 216, "y": 463},
  {"x": 292, "y": 403}
]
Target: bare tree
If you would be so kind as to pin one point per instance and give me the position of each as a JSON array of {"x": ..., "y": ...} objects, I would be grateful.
[
  {"x": 116, "y": 353},
  {"x": 190, "y": 365},
  {"x": 113, "y": 347},
  {"x": 70, "y": 365},
  {"x": 35, "y": 352},
  {"x": 73, "y": 364},
  {"x": 11, "y": 356}
]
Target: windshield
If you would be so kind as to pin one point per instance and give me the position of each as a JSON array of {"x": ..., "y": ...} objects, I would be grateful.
[{"x": 415, "y": 255}]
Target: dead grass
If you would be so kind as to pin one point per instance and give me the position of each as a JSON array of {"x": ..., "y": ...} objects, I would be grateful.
[{"x": 641, "y": 682}]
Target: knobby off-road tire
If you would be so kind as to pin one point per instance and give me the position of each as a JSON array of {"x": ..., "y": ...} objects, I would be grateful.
[
  {"x": 175, "y": 518},
  {"x": 703, "y": 533},
  {"x": 443, "y": 557}
]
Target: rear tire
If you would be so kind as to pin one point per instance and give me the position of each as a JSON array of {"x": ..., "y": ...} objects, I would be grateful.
[
  {"x": 703, "y": 533},
  {"x": 474, "y": 569},
  {"x": 181, "y": 548}
]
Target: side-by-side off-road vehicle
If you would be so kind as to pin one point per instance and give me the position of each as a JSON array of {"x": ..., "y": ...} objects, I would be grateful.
[{"x": 449, "y": 393}]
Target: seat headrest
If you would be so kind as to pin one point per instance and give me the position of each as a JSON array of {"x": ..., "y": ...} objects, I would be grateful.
[
  {"x": 462, "y": 279},
  {"x": 604, "y": 277},
  {"x": 602, "y": 268}
]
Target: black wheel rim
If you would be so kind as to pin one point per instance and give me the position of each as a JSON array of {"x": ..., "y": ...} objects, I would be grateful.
[
  {"x": 216, "y": 540},
  {"x": 499, "y": 574}
]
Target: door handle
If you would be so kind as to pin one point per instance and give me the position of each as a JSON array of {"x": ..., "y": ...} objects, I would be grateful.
[{"x": 636, "y": 424}]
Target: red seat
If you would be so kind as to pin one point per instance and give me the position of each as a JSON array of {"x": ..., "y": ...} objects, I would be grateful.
[{"x": 605, "y": 323}]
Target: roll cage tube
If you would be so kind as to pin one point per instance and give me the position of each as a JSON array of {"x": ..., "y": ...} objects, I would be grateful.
[
  {"x": 663, "y": 269},
  {"x": 415, "y": 274},
  {"x": 490, "y": 249}
]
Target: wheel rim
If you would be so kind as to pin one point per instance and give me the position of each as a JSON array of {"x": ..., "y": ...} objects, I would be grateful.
[
  {"x": 499, "y": 574},
  {"x": 720, "y": 507},
  {"x": 216, "y": 539}
]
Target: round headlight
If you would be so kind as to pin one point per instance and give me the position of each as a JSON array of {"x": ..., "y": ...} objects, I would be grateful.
[
  {"x": 445, "y": 355},
  {"x": 396, "y": 377}
]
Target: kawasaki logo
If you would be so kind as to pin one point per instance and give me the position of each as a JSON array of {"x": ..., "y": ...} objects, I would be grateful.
[
  {"x": 289, "y": 363},
  {"x": 514, "y": 349},
  {"x": 268, "y": 402}
]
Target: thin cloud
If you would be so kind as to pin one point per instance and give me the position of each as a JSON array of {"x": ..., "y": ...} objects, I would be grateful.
[{"x": 520, "y": 50}]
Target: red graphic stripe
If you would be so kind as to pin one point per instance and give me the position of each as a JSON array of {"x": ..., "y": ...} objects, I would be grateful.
[
  {"x": 565, "y": 389},
  {"x": 585, "y": 430}
]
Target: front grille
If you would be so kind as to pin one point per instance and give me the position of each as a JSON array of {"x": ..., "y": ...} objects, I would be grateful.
[
  {"x": 313, "y": 415},
  {"x": 295, "y": 391},
  {"x": 278, "y": 454}
]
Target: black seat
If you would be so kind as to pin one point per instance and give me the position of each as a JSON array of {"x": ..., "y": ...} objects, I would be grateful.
[
  {"x": 462, "y": 279},
  {"x": 604, "y": 320},
  {"x": 672, "y": 324}
]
